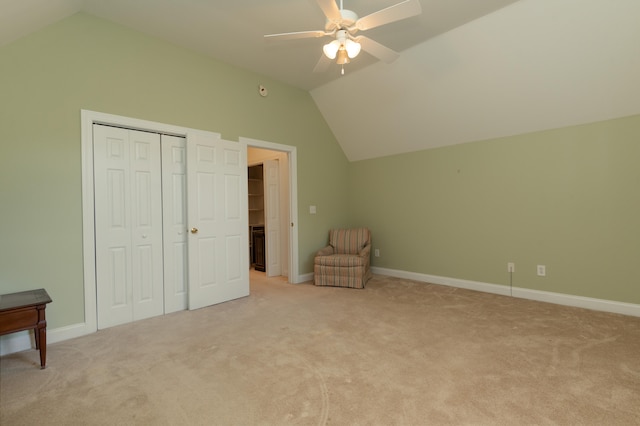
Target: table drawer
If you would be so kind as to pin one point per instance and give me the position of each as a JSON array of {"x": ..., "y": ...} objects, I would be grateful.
[{"x": 21, "y": 319}]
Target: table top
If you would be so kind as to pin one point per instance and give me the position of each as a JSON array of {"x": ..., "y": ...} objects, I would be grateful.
[{"x": 24, "y": 299}]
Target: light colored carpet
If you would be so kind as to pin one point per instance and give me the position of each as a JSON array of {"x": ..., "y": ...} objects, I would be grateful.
[{"x": 396, "y": 353}]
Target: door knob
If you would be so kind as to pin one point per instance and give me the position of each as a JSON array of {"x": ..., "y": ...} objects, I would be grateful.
[{"x": 194, "y": 230}]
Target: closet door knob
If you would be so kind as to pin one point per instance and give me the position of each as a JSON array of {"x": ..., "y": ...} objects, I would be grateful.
[{"x": 194, "y": 230}]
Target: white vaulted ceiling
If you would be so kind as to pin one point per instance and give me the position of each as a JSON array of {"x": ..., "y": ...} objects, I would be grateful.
[
  {"x": 233, "y": 30},
  {"x": 469, "y": 69},
  {"x": 534, "y": 65}
]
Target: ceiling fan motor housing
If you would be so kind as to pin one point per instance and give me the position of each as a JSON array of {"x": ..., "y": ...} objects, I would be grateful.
[{"x": 349, "y": 18}]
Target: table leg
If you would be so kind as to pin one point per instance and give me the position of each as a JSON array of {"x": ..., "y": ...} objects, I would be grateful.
[
  {"x": 37, "y": 337},
  {"x": 42, "y": 341}
]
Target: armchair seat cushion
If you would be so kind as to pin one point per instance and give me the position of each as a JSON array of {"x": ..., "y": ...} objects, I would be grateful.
[{"x": 342, "y": 260}]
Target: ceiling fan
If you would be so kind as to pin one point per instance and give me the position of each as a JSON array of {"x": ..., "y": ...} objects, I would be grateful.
[{"x": 343, "y": 24}]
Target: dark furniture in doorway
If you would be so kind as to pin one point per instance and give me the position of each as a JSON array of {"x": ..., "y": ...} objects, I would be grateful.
[
  {"x": 26, "y": 311},
  {"x": 259, "y": 259}
]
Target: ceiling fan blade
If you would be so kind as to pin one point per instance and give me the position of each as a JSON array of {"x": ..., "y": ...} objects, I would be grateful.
[
  {"x": 296, "y": 35},
  {"x": 403, "y": 10},
  {"x": 378, "y": 50},
  {"x": 323, "y": 64},
  {"x": 330, "y": 10}
]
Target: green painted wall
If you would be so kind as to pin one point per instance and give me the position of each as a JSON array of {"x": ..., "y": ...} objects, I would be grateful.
[
  {"x": 565, "y": 198},
  {"x": 87, "y": 63}
]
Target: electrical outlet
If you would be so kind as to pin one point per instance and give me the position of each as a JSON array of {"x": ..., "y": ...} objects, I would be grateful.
[
  {"x": 511, "y": 267},
  {"x": 542, "y": 271},
  {"x": 376, "y": 252}
]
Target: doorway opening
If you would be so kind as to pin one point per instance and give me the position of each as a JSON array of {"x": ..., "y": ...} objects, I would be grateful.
[{"x": 276, "y": 219}]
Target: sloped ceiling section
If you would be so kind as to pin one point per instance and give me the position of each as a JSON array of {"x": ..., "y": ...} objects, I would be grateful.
[
  {"x": 533, "y": 65},
  {"x": 19, "y": 18}
]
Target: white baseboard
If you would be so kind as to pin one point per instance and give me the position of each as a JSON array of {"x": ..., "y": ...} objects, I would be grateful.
[
  {"x": 15, "y": 342},
  {"x": 304, "y": 278},
  {"x": 24, "y": 340},
  {"x": 522, "y": 293},
  {"x": 578, "y": 301}
]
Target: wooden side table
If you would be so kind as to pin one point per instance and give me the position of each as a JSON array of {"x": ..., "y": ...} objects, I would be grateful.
[{"x": 25, "y": 311}]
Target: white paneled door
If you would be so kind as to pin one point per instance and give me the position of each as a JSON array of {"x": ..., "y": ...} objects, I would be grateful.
[
  {"x": 271, "y": 172},
  {"x": 128, "y": 225},
  {"x": 218, "y": 219}
]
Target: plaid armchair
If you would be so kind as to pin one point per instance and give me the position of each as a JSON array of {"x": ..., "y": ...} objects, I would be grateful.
[{"x": 345, "y": 262}]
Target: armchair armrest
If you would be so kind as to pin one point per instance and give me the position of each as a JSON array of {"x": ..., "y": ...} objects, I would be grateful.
[
  {"x": 366, "y": 251},
  {"x": 326, "y": 251}
]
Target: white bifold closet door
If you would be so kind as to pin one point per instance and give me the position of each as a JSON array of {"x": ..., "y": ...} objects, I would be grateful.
[
  {"x": 128, "y": 221},
  {"x": 171, "y": 222}
]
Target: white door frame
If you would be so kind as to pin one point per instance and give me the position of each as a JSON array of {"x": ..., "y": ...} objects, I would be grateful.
[{"x": 294, "y": 278}]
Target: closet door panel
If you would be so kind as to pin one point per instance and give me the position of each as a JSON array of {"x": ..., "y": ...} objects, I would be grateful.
[
  {"x": 112, "y": 180},
  {"x": 174, "y": 186},
  {"x": 146, "y": 166},
  {"x": 128, "y": 217}
]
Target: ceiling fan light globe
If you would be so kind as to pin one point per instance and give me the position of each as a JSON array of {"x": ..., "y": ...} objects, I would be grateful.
[
  {"x": 343, "y": 58},
  {"x": 331, "y": 49},
  {"x": 352, "y": 48}
]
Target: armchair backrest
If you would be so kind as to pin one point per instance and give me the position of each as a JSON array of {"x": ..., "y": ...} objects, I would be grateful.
[{"x": 349, "y": 241}]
